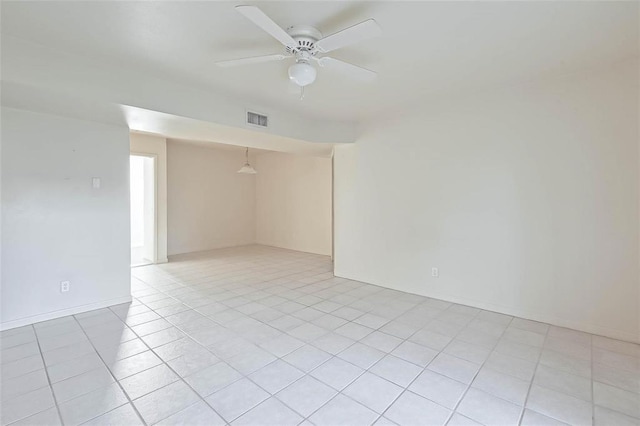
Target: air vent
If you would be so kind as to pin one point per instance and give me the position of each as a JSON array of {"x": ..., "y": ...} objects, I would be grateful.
[{"x": 256, "y": 119}]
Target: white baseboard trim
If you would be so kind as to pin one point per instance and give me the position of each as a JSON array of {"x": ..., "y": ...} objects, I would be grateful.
[
  {"x": 543, "y": 317},
  {"x": 173, "y": 256},
  {"x": 267, "y": 244},
  {"x": 62, "y": 313}
]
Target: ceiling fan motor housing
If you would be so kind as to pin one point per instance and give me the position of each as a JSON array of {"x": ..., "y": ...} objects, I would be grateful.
[{"x": 306, "y": 36}]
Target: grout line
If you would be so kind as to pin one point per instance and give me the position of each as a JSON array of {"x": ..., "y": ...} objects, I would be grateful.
[
  {"x": 348, "y": 321},
  {"x": 243, "y": 376},
  {"x": 493, "y": 349},
  {"x": 305, "y": 343},
  {"x": 180, "y": 378},
  {"x": 220, "y": 281},
  {"x": 453, "y": 410},
  {"x": 46, "y": 372},
  {"x": 533, "y": 378},
  {"x": 112, "y": 375}
]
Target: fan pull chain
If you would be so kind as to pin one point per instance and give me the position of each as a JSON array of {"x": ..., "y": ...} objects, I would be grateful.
[{"x": 301, "y": 92}]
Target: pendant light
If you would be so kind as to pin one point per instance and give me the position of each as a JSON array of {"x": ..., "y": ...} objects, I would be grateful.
[{"x": 247, "y": 168}]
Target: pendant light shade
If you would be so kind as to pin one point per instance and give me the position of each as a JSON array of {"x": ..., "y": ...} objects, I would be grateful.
[{"x": 247, "y": 168}]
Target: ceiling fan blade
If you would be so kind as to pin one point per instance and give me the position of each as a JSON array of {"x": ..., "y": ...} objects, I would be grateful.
[
  {"x": 358, "y": 32},
  {"x": 259, "y": 18},
  {"x": 252, "y": 60},
  {"x": 346, "y": 68}
]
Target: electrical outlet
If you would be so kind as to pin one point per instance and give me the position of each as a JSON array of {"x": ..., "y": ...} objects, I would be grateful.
[
  {"x": 435, "y": 272},
  {"x": 64, "y": 286}
]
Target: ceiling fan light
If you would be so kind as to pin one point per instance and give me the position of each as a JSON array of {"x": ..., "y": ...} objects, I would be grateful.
[{"x": 302, "y": 73}]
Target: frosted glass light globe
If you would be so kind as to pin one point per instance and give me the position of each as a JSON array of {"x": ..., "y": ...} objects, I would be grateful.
[{"x": 302, "y": 73}]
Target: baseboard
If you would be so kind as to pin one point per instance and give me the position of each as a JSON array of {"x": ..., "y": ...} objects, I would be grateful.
[
  {"x": 173, "y": 256},
  {"x": 328, "y": 254},
  {"x": 516, "y": 312},
  {"x": 62, "y": 313}
]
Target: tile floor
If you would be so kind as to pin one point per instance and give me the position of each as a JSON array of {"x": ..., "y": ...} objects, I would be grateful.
[
  {"x": 137, "y": 257},
  {"x": 262, "y": 336}
]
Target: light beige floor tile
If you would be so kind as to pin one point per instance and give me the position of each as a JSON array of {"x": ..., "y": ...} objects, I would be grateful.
[
  {"x": 502, "y": 385},
  {"x": 213, "y": 378},
  {"x": 251, "y": 306},
  {"x": 92, "y": 404},
  {"x": 533, "y": 418},
  {"x": 307, "y": 358},
  {"x": 148, "y": 381},
  {"x": 616, "y": 399},
  {"x": 306, "y": 395},
  {"x": 559, "y": 406},
  {"x": 453, "y": 367},
  {"x": 124, "y": 415},
  {"x": 488, "y": 409},
  {"x": 164, "y": 402},
  {"x": 606, "y": 417},
  {"x": 438, "y": 388},
  {"x": 396, "y": 370},
  {"x": 273, "y": 410},
  {"x": 342, "y": 410},
  {"x": 198, "y": 414},
  {"x": 276, "y": 376},
  {"x": 567, "y": 383},
  {"x": 26, "y": 405},
  {"x": 236, "y": 399},
  {"x": 49, "y": 417},
  {"x": 373, "y": 392},
  {"x": 412, "y": 409}
]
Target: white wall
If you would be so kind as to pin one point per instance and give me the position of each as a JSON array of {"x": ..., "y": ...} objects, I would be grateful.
[
  {"x": 526, "y": 198},
  {"x": 293, "y": 202},
  {"x": 55, "y": 227},
  {"x": 209, "y": 204},
  {"x": 156, "y": 146}
]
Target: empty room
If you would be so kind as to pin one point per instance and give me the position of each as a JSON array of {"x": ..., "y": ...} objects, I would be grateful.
[{"x": 327, "y": 213}]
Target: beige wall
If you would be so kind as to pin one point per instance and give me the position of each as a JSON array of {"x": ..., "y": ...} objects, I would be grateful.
[
  {"x": 293, "y": 202},
  {"x": 210, "y": 205},
  {"x": 526, "y": 198},
  {"x": 157, "y": 146}
]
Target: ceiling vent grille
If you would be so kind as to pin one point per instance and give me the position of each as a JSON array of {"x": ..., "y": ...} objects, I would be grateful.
[{"x": 256, "y": 119}]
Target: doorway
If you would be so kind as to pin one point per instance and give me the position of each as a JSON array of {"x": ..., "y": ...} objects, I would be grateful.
[{"x": 143, "y": 209}]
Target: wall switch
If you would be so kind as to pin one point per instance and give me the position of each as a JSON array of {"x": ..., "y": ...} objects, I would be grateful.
[
  {"x": 95, "y": 183},
  {"x": 435, "y": 272},
  {"x": 64, "y": 286}
]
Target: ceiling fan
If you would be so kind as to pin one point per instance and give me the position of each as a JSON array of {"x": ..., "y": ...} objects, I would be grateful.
[{"x": 306, "y": 45}]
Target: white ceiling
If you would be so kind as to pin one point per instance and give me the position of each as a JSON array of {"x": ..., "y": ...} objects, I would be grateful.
[{"x": 427, "y": 49}]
